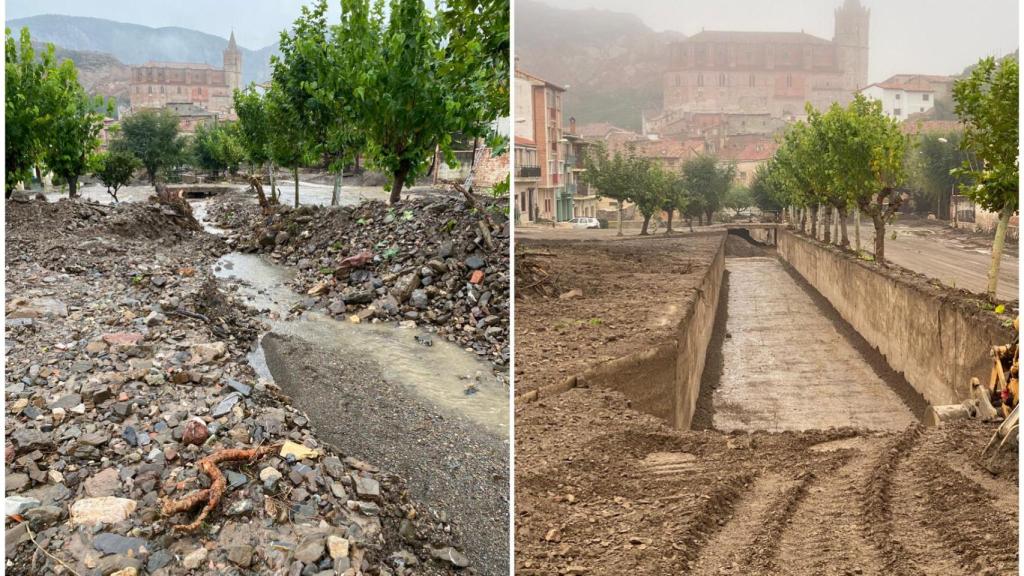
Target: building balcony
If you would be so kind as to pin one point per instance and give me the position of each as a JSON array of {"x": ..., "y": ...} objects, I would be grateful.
[
  {"x": 527, "y": 171},
  {"x": 569, "y": 190}
]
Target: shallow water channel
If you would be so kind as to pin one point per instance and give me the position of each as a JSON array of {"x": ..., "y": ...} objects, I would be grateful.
[{"x": 438, "y": 373}]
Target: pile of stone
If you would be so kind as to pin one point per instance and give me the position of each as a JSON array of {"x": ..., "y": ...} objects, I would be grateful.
[
  {"x": 125, "y": 368},
  {"x": 436, "y": 262}
]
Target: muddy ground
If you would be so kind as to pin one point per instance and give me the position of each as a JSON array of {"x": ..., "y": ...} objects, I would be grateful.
[
  {"x": 587, "y": 302},
  {"x": 125, "y": 365},
  {"x": 604, "y": 489}
]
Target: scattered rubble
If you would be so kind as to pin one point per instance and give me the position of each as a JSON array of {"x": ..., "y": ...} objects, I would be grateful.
[
  {"x": 125, "y": 370},
  {"x": 432, "y": 261}
]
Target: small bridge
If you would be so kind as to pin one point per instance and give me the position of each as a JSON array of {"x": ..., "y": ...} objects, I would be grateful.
[{"x": 759, "y": 232}]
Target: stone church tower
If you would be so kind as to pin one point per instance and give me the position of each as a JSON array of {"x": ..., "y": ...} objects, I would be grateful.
[
  {"x": 851, "y": 40},
  {"x": 233, "y": 65}
]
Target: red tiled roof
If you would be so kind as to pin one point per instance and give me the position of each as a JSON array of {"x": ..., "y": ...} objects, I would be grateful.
[
  {"x": 911, "y": 82},
  {"x": 749, "y": 150},
  {"x": 520, "y": 73},
  {"x": 522, "y": 141},
  {"x": 662, "y": 148},
  {"x": 931, "y": 126},
  {"x": 598, "y": 129}
]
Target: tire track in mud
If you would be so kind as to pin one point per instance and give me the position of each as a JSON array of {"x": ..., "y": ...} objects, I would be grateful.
[{"x": 949, "y": 522}]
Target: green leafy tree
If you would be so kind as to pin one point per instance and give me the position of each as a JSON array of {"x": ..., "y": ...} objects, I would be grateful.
[
  {"x": 608, "y": 174},
  {"x": 216, "y": 147},
  {"x": 708, "y": 182},
  {"x": 874, "y": 157},
  {"x": 738, "y": 198},
  {"x": 115, "y": 169},
  {"x": 254, "y": 131},
  {"x": 26, "y": 118},
  {"x": 650, "y": 186},
  {"x": 152, "y": 137},
  {"x": 674, "y": 198},
  {"x": 72, "y": 134},
  {"x": 766, "y": 192},
  {"x": 987, "y": 102}
]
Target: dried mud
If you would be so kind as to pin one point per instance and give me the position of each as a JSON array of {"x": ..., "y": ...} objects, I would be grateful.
[{"x": 604, "y": 489}]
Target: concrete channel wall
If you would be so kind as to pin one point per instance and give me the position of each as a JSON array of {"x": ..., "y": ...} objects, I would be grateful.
[
  {"x": 938, "y": 340},
  {"x": 663, "y": 380}
]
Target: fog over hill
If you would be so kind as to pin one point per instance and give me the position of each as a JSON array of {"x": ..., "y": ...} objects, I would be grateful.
[
  {"x": 612, "y": 61},
  {"x": 135, "y": 44}
]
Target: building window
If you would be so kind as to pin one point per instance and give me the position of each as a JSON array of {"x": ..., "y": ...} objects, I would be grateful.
[
  {"x": 789, "y": 80},
  {"x": 897, "y": 112},
  {"x": 700, "y": 79},
  {"x": 753, "y": 81},
  {"x": 924, "y": 97},
  {"x": 898, "y": 96},
  {"x": 150, "y": 89},
  {"x": 678, "y": 81},
  {"x": 922, "y": 108},
  {"x": 721, "y": 79}
]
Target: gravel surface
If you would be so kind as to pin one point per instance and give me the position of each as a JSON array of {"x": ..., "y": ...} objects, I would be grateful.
[{"x": 125, "y": 365}]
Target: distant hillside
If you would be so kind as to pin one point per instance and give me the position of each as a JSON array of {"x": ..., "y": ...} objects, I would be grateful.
[
  {"x": 136, "y": 44},
  {"x": 612, "y": 61},
  {"x": 98, "y": 73}
]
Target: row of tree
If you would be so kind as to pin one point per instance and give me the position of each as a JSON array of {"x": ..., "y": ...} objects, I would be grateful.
[
  {"x": 699, "y": 189},
  {"x": 394, "y": 86},
  {"x": 49, "y": 119},
  {"x": 855, "y": 158}
]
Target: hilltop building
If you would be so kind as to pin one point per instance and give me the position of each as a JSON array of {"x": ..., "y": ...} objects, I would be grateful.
[
  {"x": 905, "y": 94},
  {"x": 161, "y": 84},
  {"x": 773, "y": 73}
]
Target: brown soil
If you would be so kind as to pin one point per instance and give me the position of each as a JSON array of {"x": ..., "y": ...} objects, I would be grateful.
[
  {"x": 604, "y": 489},
  {"x": 620, "y": 308}
]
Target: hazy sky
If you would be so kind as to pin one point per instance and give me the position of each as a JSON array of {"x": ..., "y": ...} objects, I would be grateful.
[
  {"x": 906, "y": 36},
  {"x": 256, "y": 23}
]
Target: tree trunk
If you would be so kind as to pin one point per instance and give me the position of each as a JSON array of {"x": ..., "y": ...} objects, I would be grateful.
[
  {"x": 827, "y": 232},
  {"x": 844, "y": 242},
  {"x": 879, "y": 238},
  {"x": 997, "y": 251},
  {"x": 803, "y": 220},
  {"x": 856, "y": 230},
  {"x": 643, "y": 229},
  {"x": 270, "y": 180},
  {"x": 814, "y": 221},
  {"x": 620, "y": 218},
  {"x": 336, "y": 193},
  {"x": 710, "y": 214},
  {"x": 295, "y": 173},
  {"x": 73, "y": 188},
  {"x": 396, "y": 189},
  {"x": 669, "y": 230}
]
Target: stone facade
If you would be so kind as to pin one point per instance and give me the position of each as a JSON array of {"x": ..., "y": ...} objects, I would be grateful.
[
  {"x": 159, "y": 84},
  {"x": 772, "y": 73}
]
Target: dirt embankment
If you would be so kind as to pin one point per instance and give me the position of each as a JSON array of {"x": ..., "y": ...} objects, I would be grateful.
[
  {"x": 581, "y": 303},
  {"x": 125, "y": 365},
  {"x": 604, "y": 489}
]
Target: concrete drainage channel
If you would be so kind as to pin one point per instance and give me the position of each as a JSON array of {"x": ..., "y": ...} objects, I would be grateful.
[{"x": 805, "y": 337}]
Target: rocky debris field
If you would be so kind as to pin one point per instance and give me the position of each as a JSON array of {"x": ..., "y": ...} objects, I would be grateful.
[
  {"x": 433, "y": 261},
  {"x": 125, "y": 367},
  {"x": 588, "y": 302}
]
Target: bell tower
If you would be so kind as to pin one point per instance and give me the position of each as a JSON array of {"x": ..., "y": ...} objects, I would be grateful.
[
  {"x": 851, "y": 40},
  {"x": 233, "y": 65}
]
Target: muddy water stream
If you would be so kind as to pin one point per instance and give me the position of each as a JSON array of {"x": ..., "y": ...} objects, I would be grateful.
[{"x": 439, "y": 373}]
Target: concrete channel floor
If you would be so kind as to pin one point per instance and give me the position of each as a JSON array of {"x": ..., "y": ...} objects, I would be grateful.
[{"x": 787, "y": 367}]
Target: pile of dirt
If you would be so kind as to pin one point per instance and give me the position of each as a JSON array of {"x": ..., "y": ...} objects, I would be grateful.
[
  {"x": 125, "y": 367},
  {"x": 603, "y": 489},
  {"x": 600, "y": 300},
  {"x": 436, "y": 262}
]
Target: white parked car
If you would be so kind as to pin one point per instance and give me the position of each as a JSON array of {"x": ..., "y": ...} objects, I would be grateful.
[{"x": 585, "y": 223}]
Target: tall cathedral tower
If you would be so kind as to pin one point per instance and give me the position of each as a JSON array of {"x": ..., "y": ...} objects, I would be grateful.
[
  {"x": 851, "y": 40},
  {"x": 233, "y": 65}
]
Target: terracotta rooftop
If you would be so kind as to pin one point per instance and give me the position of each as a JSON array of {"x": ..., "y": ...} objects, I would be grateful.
[
  {"x": 931, "y": 126},
  {"x": 911, "y": 82},
  {"x": 598, "y": 129},
  {"x": 749, "y": 151},
  {"x": 520, "y": 73},
  {"x": 522, "y": 141}
]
